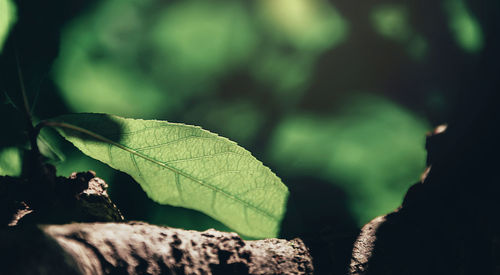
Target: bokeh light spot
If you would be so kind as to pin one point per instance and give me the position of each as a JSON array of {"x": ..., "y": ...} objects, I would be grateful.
[
  {"x": 7, "y": 18},
  {"x": 197, "y": 39},
  {"x": 10, "y": 161},
  {"x": 374, "y": 149},
  {"x": 307, "y": 25},
  {"x": 391, "y": 21},
  {"x": 464, "y": 26},
  {"x": 239, "y": 121}
]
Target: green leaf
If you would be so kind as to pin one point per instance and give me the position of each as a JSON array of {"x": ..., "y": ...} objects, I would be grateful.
[
  {"x": 186, "y": 166},
  {"x": 7, "y": 19},
  {"x": 49, "y": 147},
  {"x": 10, "y": 161}
]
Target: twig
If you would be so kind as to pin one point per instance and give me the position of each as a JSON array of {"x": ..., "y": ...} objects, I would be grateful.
[{"x": 32, "y": 134}]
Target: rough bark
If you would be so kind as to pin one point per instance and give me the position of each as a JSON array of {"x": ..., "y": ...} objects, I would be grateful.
[
  {"x": 448, "y": 223},
  {"x": 49, "y": 199},
  {"x": 140, "y": 248},
  {"x": 114, "y": 247}
]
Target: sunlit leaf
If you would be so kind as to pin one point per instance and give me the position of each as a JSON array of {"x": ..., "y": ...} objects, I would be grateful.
[
  {"x": 184, "y": 166},
  {"x": 7, "y": 19},
  {"x": 10, "y": 161}
]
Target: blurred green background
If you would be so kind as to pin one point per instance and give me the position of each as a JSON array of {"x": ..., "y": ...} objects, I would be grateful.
[{"x": 334, "y": 96}]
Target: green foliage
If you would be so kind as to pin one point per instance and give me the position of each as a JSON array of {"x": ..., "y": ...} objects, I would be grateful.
[
  {"x": 288, "y": 75},
  {"x": 306, "y": 29},
  {"x": 129, "y": 60},
  {"x": 49, "y": 147},
  {"x": 228, "y": 118},
  {"x": 152, "y": 58},
  {"x": 374, "y": 148},
  {"x": 464, "y": 26},
  {"x": 184, "y": 166},
  {"x": 7, "y": 19},
  {"x": 267, "y": 74},
  {"x": 10, "y": 162},
  {"x": 96, "y": 85},
  {"x": 392, "y": 21},
  {"x": 217, "y": 36},
  {"x": 308, "y": 25}
]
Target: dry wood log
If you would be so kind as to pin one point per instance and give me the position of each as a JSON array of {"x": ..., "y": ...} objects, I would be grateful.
[
  {"x": 104, "y": 244},
  {"x": 140, "y": 248}
]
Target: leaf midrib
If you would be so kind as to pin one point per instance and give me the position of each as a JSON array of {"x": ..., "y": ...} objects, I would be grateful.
[{"x": 160, "y": 163}]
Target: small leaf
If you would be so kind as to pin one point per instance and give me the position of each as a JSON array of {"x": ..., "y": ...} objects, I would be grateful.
[
  {"x": 10, "y": 161},
  {"x": 7, "y": 19},
  {"x": 186, "y": 166},
  {"x": 49, "y": 146}
]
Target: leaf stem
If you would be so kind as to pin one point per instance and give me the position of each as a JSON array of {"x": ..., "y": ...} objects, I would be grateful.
[
  {"x": 32, "y": 133},
  {"x": 23, "y": 89},
  {"x": 75, "y": 128}
]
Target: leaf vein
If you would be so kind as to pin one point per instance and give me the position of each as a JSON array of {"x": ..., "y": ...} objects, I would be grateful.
[
  {"x": 172, "y": 142},
  {"x": 260, "y": 210},
  {"x": 204, "y": 156},
  {"x": 220, "y": 173},
  {"x": 136, "y": 166},
  {"x": 212, "y": 204},
  {"x": 178, "y": 184},
  {"x": 109, "y": 152}
]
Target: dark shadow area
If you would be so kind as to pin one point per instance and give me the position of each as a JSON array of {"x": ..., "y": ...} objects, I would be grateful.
[
  {"x": 449, "y": 223},
  {"x": 318, "y": 213},
  {"x": 102, "y": 124},
  {"x": 13, "y": 126},
  {"x": 137, "y": 206},
  {"x": 35, "y": 39}
]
